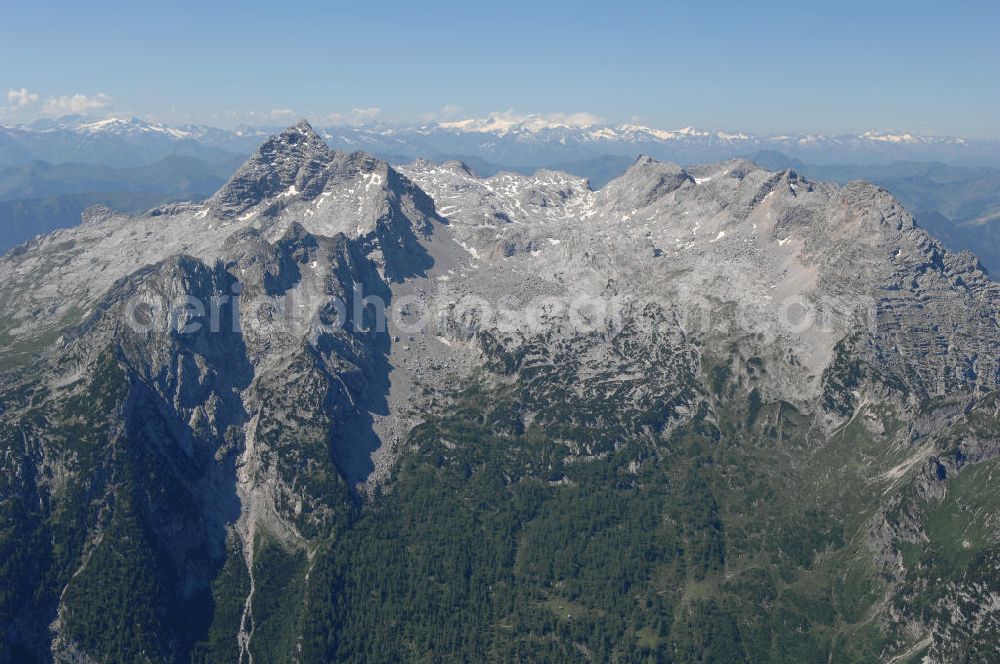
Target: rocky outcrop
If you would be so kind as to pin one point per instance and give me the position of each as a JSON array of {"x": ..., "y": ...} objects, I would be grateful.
[{"x": 293, "y": 161}]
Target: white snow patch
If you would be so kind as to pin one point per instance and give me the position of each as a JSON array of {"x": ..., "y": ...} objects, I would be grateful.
[{"x": 471, "y": 250}]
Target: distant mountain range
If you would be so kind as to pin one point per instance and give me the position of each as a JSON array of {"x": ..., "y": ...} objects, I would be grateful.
[
  {"x": 526, "y": 141},
  {"x": 533, "y": 141},
  {"x": 113, "y": 142}
]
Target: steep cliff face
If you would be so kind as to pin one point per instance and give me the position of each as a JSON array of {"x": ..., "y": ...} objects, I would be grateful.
[{"x": 342, "y": 410}]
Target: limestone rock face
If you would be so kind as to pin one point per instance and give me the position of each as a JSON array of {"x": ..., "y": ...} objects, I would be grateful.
[{"x": 296, "y": 158}]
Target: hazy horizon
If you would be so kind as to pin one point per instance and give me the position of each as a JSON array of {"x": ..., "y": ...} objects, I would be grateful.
[{"x": 369, "y": 118}]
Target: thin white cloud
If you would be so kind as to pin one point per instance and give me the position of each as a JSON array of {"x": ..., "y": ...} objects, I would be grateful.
[
  {"x": 274, "y": 117},
  {"x": 574, "y": 119},
  {"x": 248, "y": 117},
  {"x": 78, "y": 103},
  {"x": 355, "y": 116},
  {"x": 18, "y": 99},
  {"x": 369, "y": 113},
  {"x": 447, "y": 112}
]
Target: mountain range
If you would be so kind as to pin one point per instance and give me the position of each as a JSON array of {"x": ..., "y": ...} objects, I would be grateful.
[
  {"x": 511, "y": 141},
  {"x": 342, "y": 410},
  {"x": 51, "y": 170}
]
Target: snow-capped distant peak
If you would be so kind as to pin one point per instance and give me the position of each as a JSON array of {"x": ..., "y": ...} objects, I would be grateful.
[
  {"x": 906, "y": 138},
  {"x": 663, "y": 134},
  {"x": 585, "y": 126},
  {"x": 887, "y": 137},
  {"x": 642, "y": 132},
  {"x": 128, "y": 126},
  {"x": 106, "y": 124},
  {"x": 504, "y": 123}
]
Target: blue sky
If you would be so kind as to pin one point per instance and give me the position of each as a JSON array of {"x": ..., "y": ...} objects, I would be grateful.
[{"x": 751, "y": 66}]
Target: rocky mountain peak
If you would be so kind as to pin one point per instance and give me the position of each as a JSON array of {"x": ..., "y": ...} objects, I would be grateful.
[
  {"x": 299, "y": 138},
  {"x": 645, "y": 181},
  {"x": 97, "y": 213},
  {"x": 460, "y": 166},
  {"x": 291, "y": 161}
]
